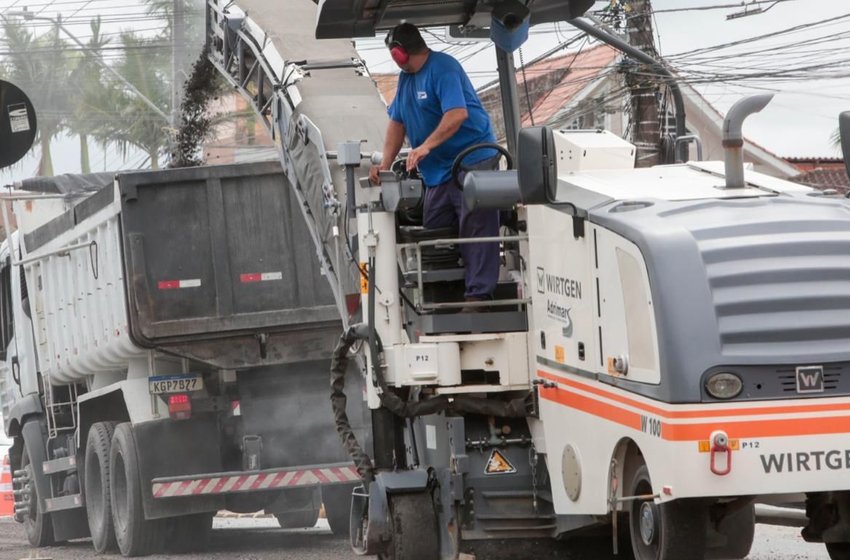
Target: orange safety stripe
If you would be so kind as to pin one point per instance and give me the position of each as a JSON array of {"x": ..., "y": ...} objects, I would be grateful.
[
  {"x": 740, "y": 429},
  {"x": 785, "y": 427},
  {"x": 666, "y": 413},
  {"x": 592, "y": 406}
]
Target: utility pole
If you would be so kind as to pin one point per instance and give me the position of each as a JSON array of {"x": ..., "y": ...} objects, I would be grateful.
[
  {"x": 646, "y": 128},
  {"x": 178, "y": 61}
]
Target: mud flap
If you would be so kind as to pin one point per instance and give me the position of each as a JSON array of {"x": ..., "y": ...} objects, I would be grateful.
[
  {"x": 370, "y": 529},
  {"x": 68, "y": 524}
]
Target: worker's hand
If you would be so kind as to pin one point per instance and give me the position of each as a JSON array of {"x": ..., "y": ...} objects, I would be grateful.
[
  {"x": 415, "y": 156},
  {"x": 375, "y": 174}
]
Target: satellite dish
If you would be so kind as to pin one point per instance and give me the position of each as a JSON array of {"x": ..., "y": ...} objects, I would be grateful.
[{"x": 17, "y": 124}]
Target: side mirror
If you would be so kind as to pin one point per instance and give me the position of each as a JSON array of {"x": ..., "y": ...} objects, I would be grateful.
[
  {"x": 844, "y": 130},
  {"x": 538, "y": 174}
]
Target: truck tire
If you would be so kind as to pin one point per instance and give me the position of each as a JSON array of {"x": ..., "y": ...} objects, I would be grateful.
[
  {"x": 136, "y": 536},
  {"x": 97, "y": 482},
  {"x": 37, "y": 524},
  {"x": 337, "y": 501},
  {"x": 414, "y": 528},
  {"x": 668, "y": 531},
  {"x": 304, "y": 519},
  {"x": 189, "y": 533}
]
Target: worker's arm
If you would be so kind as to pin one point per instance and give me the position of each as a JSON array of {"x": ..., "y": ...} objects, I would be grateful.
[
  {"x": 392, "y": 146},
  {"x": 449, "y": 124}
]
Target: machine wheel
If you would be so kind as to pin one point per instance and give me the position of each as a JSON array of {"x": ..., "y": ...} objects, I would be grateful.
[
  {"x": 337, "y": 501},
  {"x": 838, "y": 551},
  {"x": 189, "y": 533},
  {"x": 136, "y": 536},
  {"x": 297, "y": 519},
  {"x": 96, "y": 487},
  {"x": 739, "y": 528},
  {"x": 37, "y": 525},
  {"x": 413, "y": 522},
  {"x": 669, "y": 531}
]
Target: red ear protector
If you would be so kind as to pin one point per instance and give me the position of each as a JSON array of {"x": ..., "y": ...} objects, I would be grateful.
[
  {"x": 397, "y": 50},
  {"x": 399, "y": 53}
]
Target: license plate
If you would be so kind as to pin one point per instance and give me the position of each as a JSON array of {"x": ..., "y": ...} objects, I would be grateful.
[
  {"x": 164, "y": 384},
  {"x": 810, "y": 379}
]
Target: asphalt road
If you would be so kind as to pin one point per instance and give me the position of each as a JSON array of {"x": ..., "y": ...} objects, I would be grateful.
[{"x": 261, "y": 539}]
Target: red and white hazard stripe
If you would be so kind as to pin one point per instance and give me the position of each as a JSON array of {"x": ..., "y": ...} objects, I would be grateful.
[
  {"x": 178, "y": 284},
  {"x": 260, "y": 277},
  {"x": 270, "y": 480}
]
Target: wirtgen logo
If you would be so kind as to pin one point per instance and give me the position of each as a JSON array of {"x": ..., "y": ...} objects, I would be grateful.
[
  {"x": 557, "y": 285},
  {"x": 810, "y": 379},
  {"x": 806, "y": 461}
]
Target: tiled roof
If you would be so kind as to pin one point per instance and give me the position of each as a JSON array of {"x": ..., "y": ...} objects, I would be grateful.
[
  {"x": 830, "y": 178},
  {"x": 810, "y": 159},
  {"x": 580, "y": 69},
  {"x": 552, "y": 81}
]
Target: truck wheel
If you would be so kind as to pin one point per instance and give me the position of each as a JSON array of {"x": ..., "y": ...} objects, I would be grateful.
[
  {"x": 96, "y": 487},
  {"x": 38, "y": 527},
  {"x": 669, "y": 531},
  {"x": 413, "y": 521},
  {"x": 189, "y": 533},
  {"x": 136, "y": 536},
  {"x": 337, "y": 501},
  {"x": 298, "y": 519},
  {"x": 838, "y": 551}
]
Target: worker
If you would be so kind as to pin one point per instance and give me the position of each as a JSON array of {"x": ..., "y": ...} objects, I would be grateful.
[{"x": 437, "y": 108}]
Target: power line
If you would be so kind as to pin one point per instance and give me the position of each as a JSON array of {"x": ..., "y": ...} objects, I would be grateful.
[{"x": 721, "y": 6}]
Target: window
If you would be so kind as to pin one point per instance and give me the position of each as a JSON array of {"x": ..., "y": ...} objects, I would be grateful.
[{"x": 6, "y": 317}]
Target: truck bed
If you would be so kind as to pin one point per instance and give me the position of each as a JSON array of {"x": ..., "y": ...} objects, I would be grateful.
[{"x": 213, "y": 265}]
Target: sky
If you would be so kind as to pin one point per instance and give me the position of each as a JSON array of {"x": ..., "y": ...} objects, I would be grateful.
[{"x": 798, "y": 123}]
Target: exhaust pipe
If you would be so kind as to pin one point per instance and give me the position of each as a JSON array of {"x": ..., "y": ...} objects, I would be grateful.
[
  {"x": 733, "y": 139},
  {"x": 844, "y": 131}
]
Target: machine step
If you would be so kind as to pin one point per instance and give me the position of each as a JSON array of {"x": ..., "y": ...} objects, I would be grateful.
[
  {"x": 62, "y": 503},
  {"x": 63, "y": 464}
]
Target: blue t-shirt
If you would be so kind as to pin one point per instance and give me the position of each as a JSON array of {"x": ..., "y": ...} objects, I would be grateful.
[{"x": 420, "y": 102}]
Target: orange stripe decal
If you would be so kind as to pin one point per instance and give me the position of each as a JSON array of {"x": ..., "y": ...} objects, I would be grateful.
[
  {"x": 738, "y": 429},
  {"x": 592, "y": 406},
  {"x": 758, "y": 428},
  {"x": 665, "y": 413}
]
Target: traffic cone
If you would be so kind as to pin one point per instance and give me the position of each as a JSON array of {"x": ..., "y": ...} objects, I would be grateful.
[{"x": 7, "y": 499}]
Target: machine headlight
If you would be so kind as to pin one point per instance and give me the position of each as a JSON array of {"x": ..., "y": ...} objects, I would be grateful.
[{"x": 724, "y": 385}]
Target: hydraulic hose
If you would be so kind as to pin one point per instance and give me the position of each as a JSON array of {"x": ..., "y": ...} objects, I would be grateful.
[{"x": 339, "y": 365}]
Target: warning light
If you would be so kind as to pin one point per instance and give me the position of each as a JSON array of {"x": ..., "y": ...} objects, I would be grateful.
[
  {"x": 179, "y": 407},
  {"x": 498, "y": 464}
]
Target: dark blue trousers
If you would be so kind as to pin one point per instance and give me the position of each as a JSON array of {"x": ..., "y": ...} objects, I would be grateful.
[{"x": 445, "y": 207}]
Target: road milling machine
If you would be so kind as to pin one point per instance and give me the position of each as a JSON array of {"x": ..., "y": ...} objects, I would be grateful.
[{"x": 667, "y": 347}]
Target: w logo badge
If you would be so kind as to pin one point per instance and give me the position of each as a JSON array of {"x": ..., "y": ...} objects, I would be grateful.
[{"x": 810, "y": 379}]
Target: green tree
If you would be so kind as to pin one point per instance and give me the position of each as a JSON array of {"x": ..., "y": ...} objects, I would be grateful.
[
  {"x": 39, "y": 66},
  {"x": 147, "y": 66},
  {"x": 92, "y": 97}
]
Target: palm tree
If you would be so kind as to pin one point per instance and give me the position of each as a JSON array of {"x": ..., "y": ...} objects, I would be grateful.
[
  {"x": 38, "y": 65},
  {"x": 147, "y": 66},
  {"x": 90, "y": 115}
]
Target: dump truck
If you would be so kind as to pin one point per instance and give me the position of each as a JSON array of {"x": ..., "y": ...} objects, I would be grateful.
[
  {"x": 165, "y": 349},
  {"x": 667, "y": 347}
]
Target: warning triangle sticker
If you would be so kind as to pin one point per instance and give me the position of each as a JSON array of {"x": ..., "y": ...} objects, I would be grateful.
[{"x": 498, "y": 464}]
